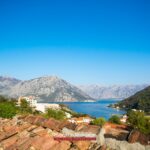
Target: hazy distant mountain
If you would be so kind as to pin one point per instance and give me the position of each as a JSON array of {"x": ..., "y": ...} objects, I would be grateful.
[
  {"x": 54, "y": 89},
  {"x": 46, "y": 89},
  {"x": 115, "y": 91},
  {"x": 6, "y": 83}
]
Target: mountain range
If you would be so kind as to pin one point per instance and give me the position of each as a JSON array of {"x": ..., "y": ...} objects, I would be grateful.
[
  {"x": 54, "y": 89},
  {"x": 45, "y": 89},
  {"x": 113, "y": 91}
]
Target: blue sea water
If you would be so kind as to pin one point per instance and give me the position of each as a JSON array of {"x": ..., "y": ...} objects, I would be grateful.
[{"x": 95, "y": 109}]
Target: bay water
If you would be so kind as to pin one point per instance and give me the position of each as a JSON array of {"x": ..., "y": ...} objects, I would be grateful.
[{"x": 96, "y": 109}]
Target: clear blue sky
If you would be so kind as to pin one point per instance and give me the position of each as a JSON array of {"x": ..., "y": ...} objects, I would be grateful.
[{"x": 82, "y": 41}]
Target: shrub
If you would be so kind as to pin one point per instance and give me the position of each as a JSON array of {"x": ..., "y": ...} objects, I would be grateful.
[
  {"x": 63, "y": 105},
  {"x": 7, "y": 110},
  {"x": 3, "y": 99},
  {"x": 115, "y": 119},
  {"x": 99, "y": 121},
  {"x": 56, "y": 114},
  {"x": 25, "y": 107},
  {"x": 36, "y": 112},
  {"x": 138, "y": 120},
  {"x": 77, "y": 115}
]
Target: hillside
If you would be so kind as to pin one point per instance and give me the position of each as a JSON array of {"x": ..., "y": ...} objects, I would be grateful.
[
  {"x": 46, "y": 89},
  {"x": 114, "y": 91},
  {"x": 6, "y": 83},
  {"x": 141, "y": 101},
  {"x": 54, "y": 89}
]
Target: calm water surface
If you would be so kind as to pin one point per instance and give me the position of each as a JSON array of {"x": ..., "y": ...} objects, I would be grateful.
[{"x": 95, "y": 109}]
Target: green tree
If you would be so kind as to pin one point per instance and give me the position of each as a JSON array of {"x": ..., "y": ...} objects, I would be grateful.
[
  {"x": 115, "y": 119},
  {"x": 25, "y": 107},
  {"x": 3, "y": 99},
  {"x": 138, "y": 120},
  {"x": 56, "y": 114},
  {"x": 7, "y": 110},
  {"x": 99, "y": 121},
  {"x": 77, "y": 115}
]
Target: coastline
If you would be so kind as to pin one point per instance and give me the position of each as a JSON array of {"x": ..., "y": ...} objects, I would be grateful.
[{"x": 95, "y": 109}]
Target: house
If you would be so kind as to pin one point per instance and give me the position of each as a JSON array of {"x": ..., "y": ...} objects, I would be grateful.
[
  {"x": 30, "y": 99},
  {"x": 80, "y": 120},
  {"x": 124, "y": 119},
  {"x": 43, "y": 106},
  {"x": 134, "y": 110},
  {"x": 68, "y": 115}
]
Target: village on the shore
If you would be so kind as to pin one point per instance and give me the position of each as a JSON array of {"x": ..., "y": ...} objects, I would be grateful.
[
  {"x": 34, "y": 131},
  {"x": 43, "y": 106}
]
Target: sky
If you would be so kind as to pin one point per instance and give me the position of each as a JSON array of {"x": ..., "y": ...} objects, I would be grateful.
[{"x": 81, "y": 41}]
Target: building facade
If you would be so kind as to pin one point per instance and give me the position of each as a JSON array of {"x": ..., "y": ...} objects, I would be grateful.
[{"x": 30, "y": 99}]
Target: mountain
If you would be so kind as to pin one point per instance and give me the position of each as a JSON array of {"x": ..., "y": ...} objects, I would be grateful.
[
  {"x": 45, "y": 89},
  {"x": 114, "y": 91},
  {"x": 140, "y": 101},
  {"x": 54, "y": 89},
  {"x": 6, "y": 83}
]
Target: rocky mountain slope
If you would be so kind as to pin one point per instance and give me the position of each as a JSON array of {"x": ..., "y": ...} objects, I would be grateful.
[
  {"x": 141, "y": 101},
  {"x": 46, "y": 89},
  {"x": 54, "y": 89},
  {"x": 115, "y": 91},
  {"x": 6, "y": 83}
]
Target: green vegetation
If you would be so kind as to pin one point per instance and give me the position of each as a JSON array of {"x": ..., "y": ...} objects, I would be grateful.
[
  {"x": 66, "y": 109},
  {"x": 25, "y": 107},
  {"x": 56, "y": 114},
  {"x": 77, "y": 115},
  {"x": 8, "y": 109},
  {"x": 115, "y": 119},
  {"x": 99, "y": 121},
  {"x": 3, "y": 99},
  {"x": 139, "y": 101},
  {"x": 138, "y": 120}
]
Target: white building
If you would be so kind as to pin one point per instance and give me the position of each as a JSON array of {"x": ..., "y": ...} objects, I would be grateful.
[
  {"x": 30, "y": 99},
  {"x": 68, "y": 115},
  {"x": 124, "y": 119},
  {"x": 79, "y": 120},
  {"x": 43, "y": 106}
]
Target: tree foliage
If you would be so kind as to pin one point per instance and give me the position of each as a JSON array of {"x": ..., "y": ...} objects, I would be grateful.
[
  {"x": 115, "y": 119},
  {"x": 7, "y": 109},
  {"x": 56, "y": 114},
  {"x": 3, "y": 99},
  {"x": 25, "y": 107},
  {"x": 99, "y": 121},
  {"x": 77, "y": 115},
  {"x": 138, "y": 120},
  {"x": 139, "y": 101}
]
